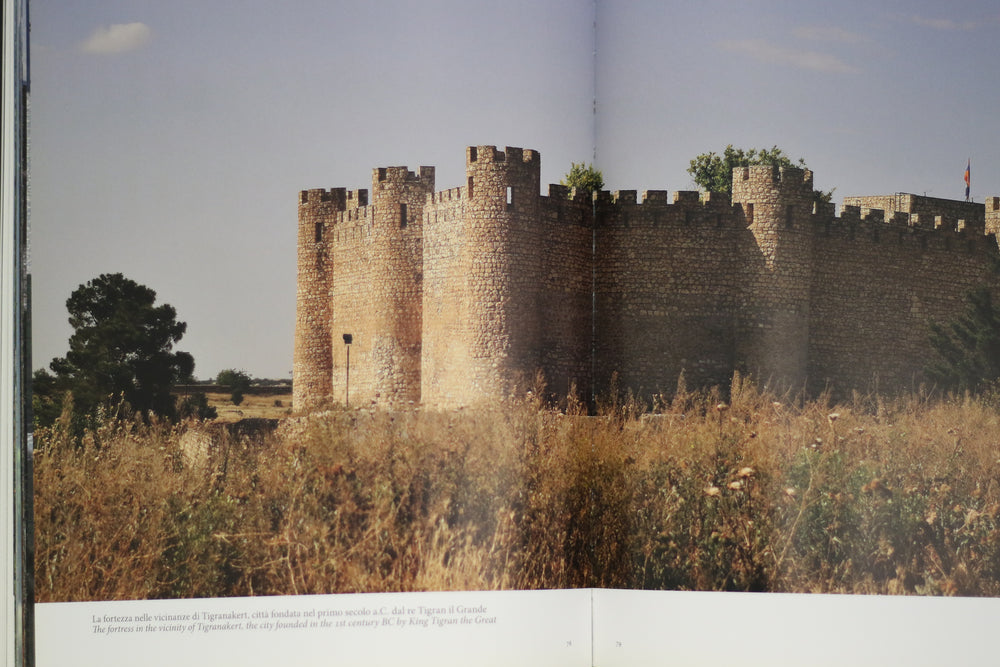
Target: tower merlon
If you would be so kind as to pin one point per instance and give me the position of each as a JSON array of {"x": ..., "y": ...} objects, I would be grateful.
[
  {"x": 623, "y": 197},
  {"x": 873, "y": 215},
  {"x": 768, "y": 174},
  {"x": 901, "y": 218},
  {"x": 850, "y": 213},
  {"x": 357, "y": 198},
  {"x": 511, "y": 154},
  {"x": 717, "y": 200},
  {"x": 558, "y": 191},
  {"x": 826, "y": 209},
  {"x": 336, "y": 196},
  {"x": 402, "y": 175},
  {"x": 655, "y": 196}
]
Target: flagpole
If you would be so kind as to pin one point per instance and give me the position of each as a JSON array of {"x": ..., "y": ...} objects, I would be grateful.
[{"x": 968, "y": 178}]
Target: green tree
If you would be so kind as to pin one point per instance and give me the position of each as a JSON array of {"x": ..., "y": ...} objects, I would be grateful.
[
  {"x": 236, "y": 381},
  {"x": 195, "y": 406},
  {"x": 583, "y": 177},
  {"x": 46, "y": 398},
  {"x": 714, "y": 173},
  {"x": 121, "y": 349},
  {"x": 968, "y": 348}
]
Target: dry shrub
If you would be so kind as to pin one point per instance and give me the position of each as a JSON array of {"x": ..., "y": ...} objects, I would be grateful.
[{"x": 742, "y": 491}]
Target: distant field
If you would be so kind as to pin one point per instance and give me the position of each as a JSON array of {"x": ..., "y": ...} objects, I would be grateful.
[{"x": 267, "y": 406}]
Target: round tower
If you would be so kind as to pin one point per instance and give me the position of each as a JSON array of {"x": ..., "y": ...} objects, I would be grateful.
[
  {"x": 393, "y": 346},
  {"x": 311, "y": 363},
  {"x": 503, "y": 244},
  {"x": 777, "y": 205}
]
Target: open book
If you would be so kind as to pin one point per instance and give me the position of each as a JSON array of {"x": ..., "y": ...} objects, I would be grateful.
[{"x": 512, "y": 381}]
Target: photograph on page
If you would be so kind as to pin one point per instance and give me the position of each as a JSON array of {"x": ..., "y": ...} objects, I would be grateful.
[{"x": 348, "y": 298}]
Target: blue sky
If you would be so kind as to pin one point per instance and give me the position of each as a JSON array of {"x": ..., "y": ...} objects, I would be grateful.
[{"x": 169, "y": 140}]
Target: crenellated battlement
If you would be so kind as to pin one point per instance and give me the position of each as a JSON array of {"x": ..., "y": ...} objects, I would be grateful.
[
  {"x": 352, "y": 216},
  {"x": 490, "y": 155},
  {"x": 383, "y": 176},
  {"x": 656, "y": 197},
  {"x": 452, "y": 295},
  {"x": 564, "y": 192},
  {"x": 340, "y": 199},
  {"x": 447, "y": 196},
  {"x": 334, "y": 197},
  {"x": 772, "y": 176}
]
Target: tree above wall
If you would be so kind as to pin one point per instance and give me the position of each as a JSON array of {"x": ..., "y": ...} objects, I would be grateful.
[
  {"x": 714, "y": 173},
  {"x": 583, "y": 177}
]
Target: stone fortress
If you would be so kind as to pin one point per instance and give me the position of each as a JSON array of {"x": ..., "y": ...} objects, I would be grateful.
[{"x": 455, "y": 297}]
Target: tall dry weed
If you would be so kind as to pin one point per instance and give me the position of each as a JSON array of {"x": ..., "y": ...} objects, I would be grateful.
[{"x": 734, "y": 490}]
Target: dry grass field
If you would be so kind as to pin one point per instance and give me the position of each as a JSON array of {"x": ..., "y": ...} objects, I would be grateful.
[
  {"x": 755, "y": 492},
  {"x": 262, "y": 406}
]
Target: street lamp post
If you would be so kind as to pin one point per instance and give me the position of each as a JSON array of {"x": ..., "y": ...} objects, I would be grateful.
[{"x": 348, "y": 339}]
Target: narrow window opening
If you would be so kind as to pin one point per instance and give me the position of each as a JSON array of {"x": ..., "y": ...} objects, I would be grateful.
[
  {"x": 402, "y": 216},
  {"x": 319, "y": 232},
  {"x": 789, "y": 210},
  {"x": 510, "y": 197},
  {"x": 750, "y": 214}
]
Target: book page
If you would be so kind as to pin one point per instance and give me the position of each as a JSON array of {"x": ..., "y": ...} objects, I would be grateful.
[
  {"x": 673, "y": 390},
  {"x": 444, "y": 628},
  {"x": 171, "y": 148},
  {"x": 639, "y": 628},
  {"x": 15, "y": 501}
]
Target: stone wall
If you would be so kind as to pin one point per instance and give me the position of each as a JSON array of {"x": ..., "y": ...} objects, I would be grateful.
[
  {"x": 565, "y": 300},
  {"x": 992, "y": 222},
  {"x": 668, "y": 284},
  {"x": 463, "y": 295},
  {"x": 926, "y": 212},
  {"x": 874, "y": 288},
  {"x": 483, "y": 318},
  {"x": 773, "y": 336}
]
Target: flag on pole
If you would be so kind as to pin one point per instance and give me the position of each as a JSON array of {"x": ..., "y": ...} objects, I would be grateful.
[{"x": 968, "y": 178}]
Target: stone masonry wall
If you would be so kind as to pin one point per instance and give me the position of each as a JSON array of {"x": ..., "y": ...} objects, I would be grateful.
[
  {"x": 773, "y": 335},
  {"x": 566, "y": 292},
  {"x": 461, "y": 296},
  {"x": 445, "y": 372},
  {"x": 875, "y": 286},
  {"x": 668, "y": 279},
  {"x": 493, "y": 280},
  {"x": 350, "y": 292},
  {"x": 311, "y": 362},
  {"x": 992, "y": 222},
  {"x": 396, "y": 274},
  {"x": 931, "y": 212}
]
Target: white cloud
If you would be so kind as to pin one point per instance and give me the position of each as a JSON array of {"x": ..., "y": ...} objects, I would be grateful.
[
  {"x": 828, "y": 34},
  {"x": 117, "y": 38},
  {"x": 764, "y": 51},
  {"x": 944, "y": 24}
]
